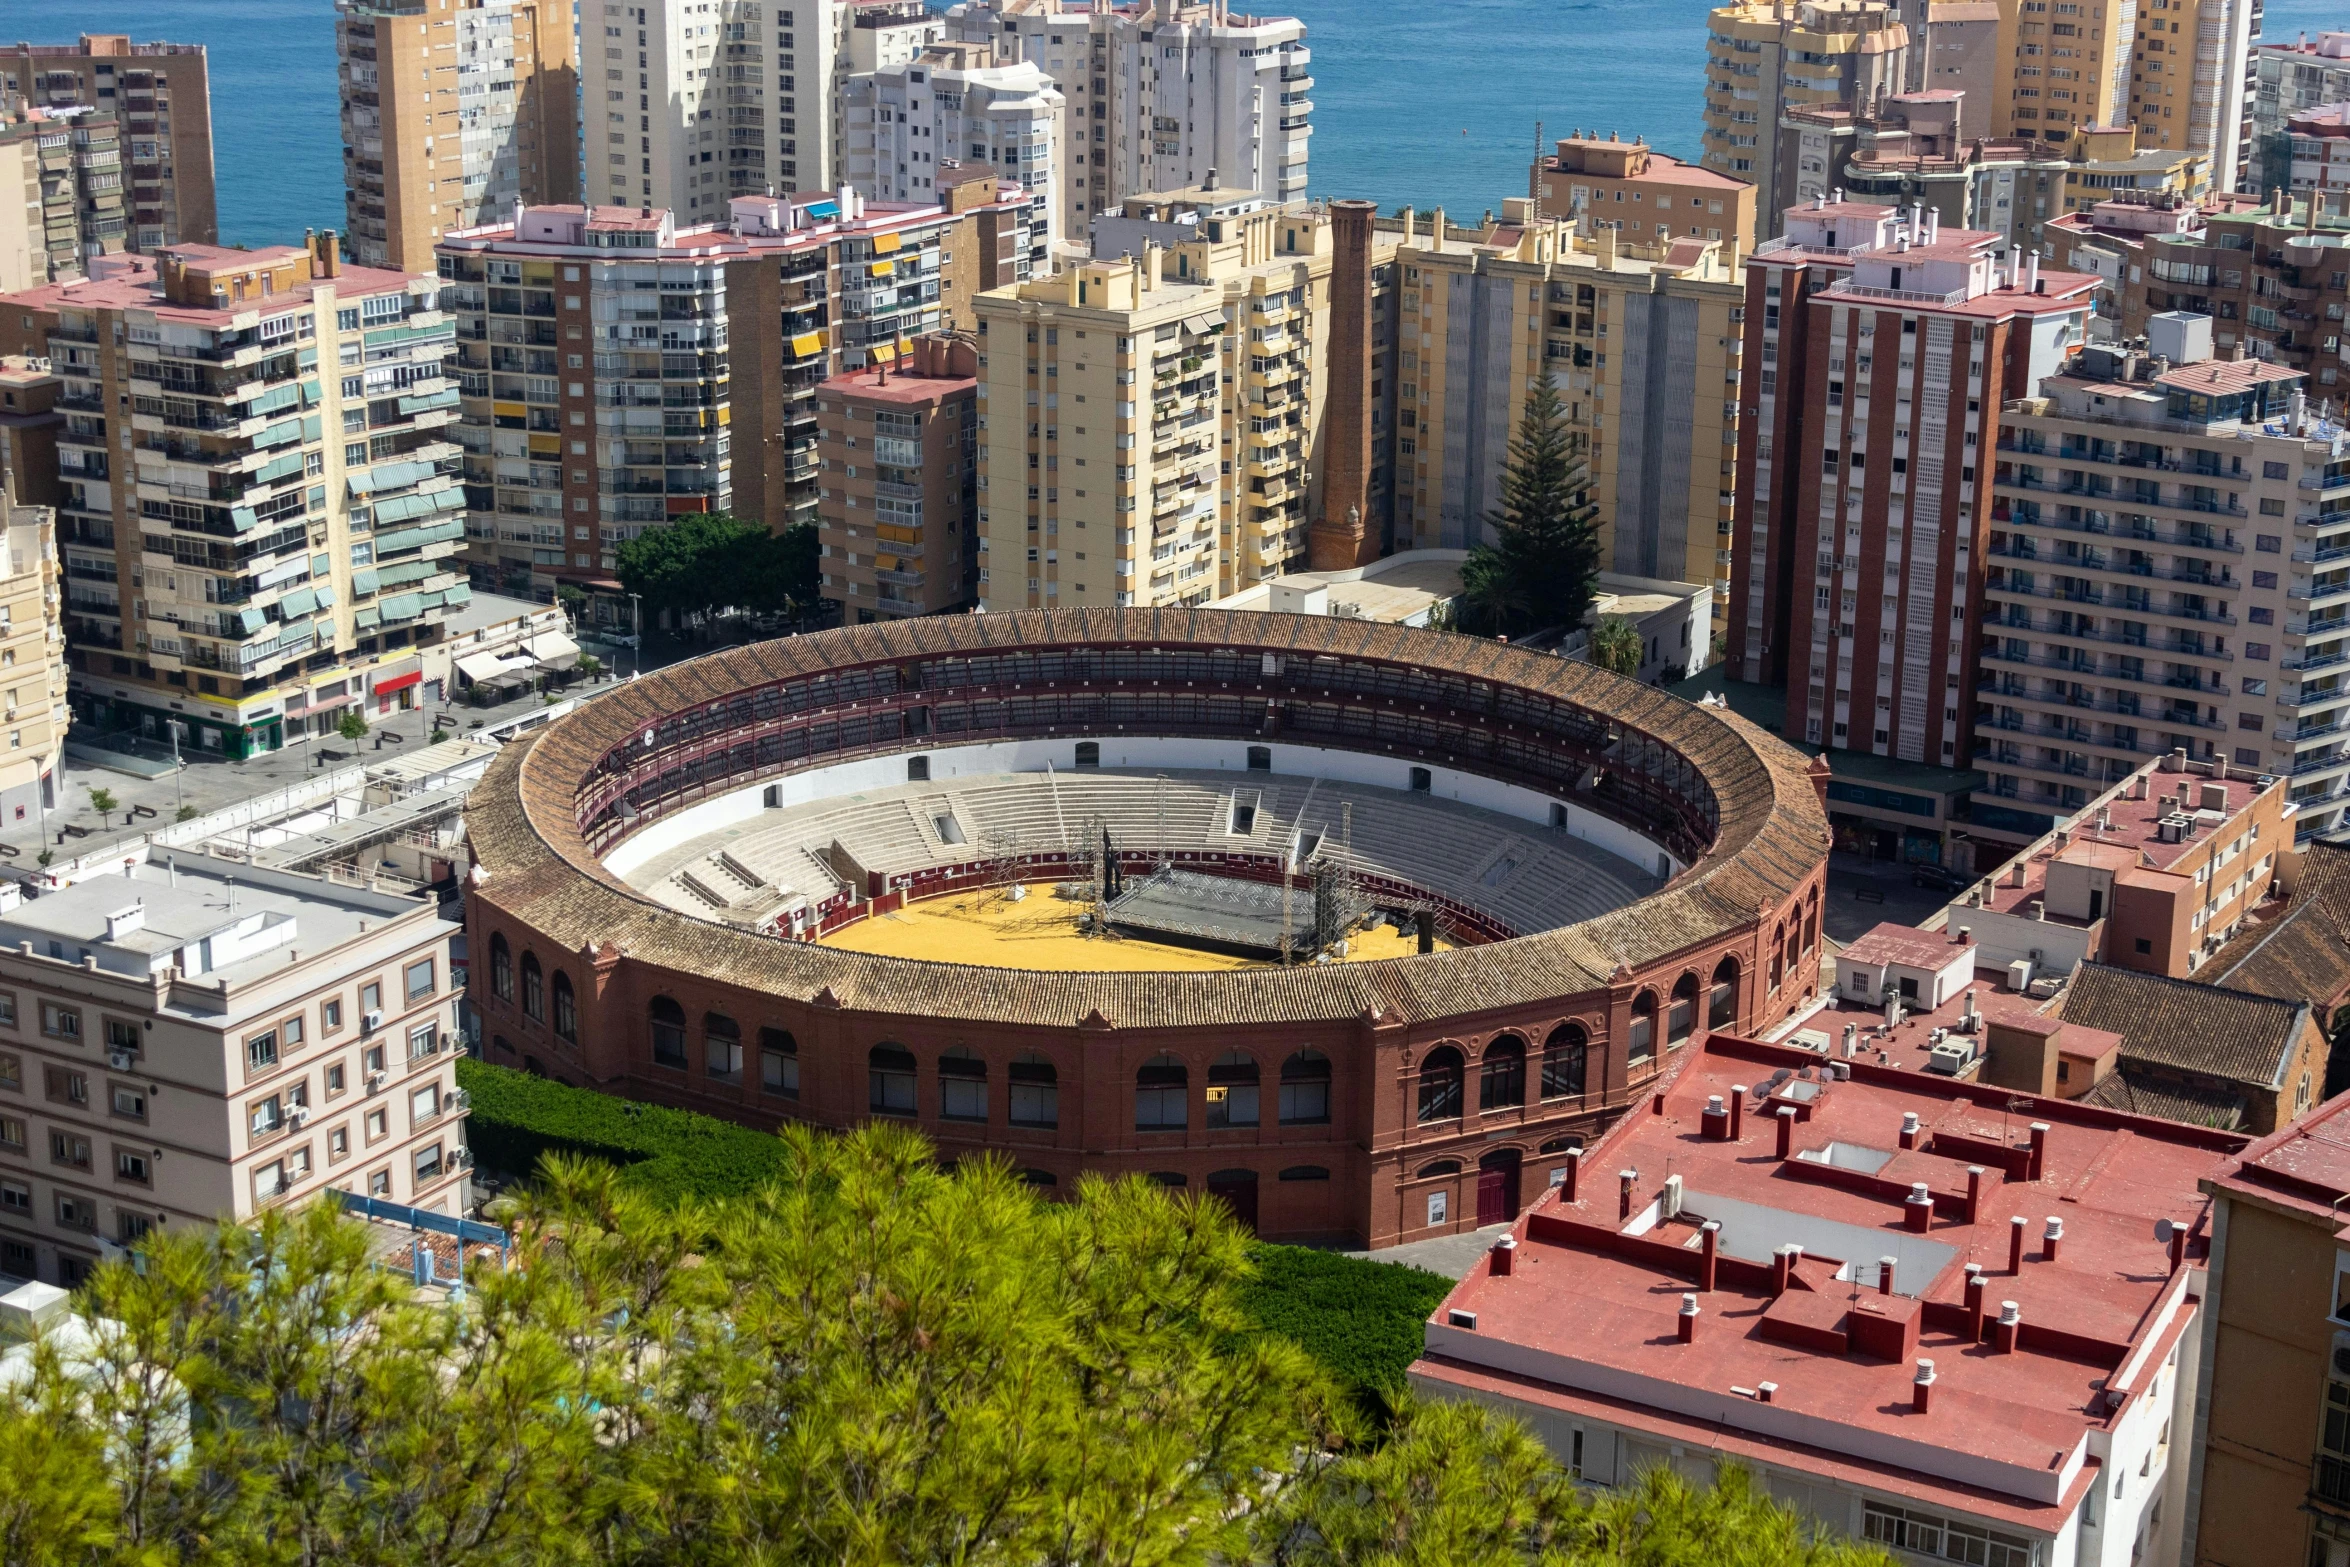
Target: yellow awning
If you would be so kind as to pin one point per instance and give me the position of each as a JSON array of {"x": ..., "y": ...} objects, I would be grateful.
[
  {"x": 511, "y": 410},
  {"x": 884, "y": 268},
  {"x": 884, "y": 352},
  {"x": 883, "y": 244},
  {"x": 898, "y": 535},
  {"x": 546, "y": 446},
  {"x": 807, "y": 343}
]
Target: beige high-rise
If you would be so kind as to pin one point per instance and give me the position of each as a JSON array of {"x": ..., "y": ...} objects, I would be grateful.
[
  {"x": 1151, "y": 427},
  {"x": 33, "y": 711},
  {"x": 1765, "y": 57},
  {"x": 1642, "y": 341},
  {"x": 2194, "y": 81},
  {"x": 61, "y": 194},
  {"x": 451, "y": 116},
  {"x": 162, "y": 96}
]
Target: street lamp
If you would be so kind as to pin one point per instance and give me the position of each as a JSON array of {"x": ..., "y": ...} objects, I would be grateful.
[{"x": 636, "y": 626}]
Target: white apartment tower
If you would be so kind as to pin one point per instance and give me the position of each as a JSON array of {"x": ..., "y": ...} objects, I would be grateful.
[
  {"x": 1170, "y": 98},
  {"x": 954, "y": 105}
]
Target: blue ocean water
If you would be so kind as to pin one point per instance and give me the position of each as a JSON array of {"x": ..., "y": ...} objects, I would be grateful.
[{"x": 1427, "y": 104}]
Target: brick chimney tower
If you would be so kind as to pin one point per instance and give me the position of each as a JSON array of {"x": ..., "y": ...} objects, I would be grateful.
[{"x": 1341, "y": 537}]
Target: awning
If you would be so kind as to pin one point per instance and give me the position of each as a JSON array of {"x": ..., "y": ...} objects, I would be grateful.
[
  {"x": 398, "y": 682},
  {"x": 492, "y": 669},
  {"x": 553, "y": 650},
  {"x": 1207, "y": 323}
]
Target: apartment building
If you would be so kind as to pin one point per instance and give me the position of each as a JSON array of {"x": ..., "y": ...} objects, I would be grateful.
[
  {"x": 2068, "y": 64},
  {"x": 1643, "y": 194},
  {"x": 1163, "y": 414},
  {"x": 2287, "y": 79},
  {"x": 1642, "y": 341},
  {"x": 1764, "y": 58},
  {"x": 188, "y": 1039},
  {"x": 2316, "y": 148},
  {"x": 620, "y": 368},
  {"x": 2192, "y": 78},
  {"x": 34, "y": 713},
  {"x": 1161, "y": 98},
  {"x": 258, "y": 501},
  {"x": 898, "y": 447},
  {"x": 953, "y": 105},
  {"x": 29, "y": 426},
  {"x": 62, "y": 194},
  {"x": 2271, "y": 1464},
  {"x": 450, "y": 117},
  {"x": 161, "y": 97},
  {"x": 2162, "y": 577},
  {"x": 1880, "y": 348}
]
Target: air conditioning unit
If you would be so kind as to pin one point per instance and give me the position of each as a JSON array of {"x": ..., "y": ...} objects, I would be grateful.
[
  {"x": 121, "y": 1060},
  {"x": 1950, "y": 1057},
  {"x": 371, "y": 1020},
  {"x": 377, "y": 1078},
  {"x": 299, "y": 1115},
  {"x": 460, "y": 1158},
  {"x": 457, "y": 1099}
]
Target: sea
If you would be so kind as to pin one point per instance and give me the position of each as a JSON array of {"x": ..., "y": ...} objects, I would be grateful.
[{"x": 1439, "y": 104}]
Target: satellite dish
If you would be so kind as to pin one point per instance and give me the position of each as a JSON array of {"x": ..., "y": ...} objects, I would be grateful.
[{"x": 2163, "y": 1229}]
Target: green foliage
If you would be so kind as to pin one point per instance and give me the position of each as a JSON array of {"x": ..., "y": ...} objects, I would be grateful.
[
  {"x": 103, "y": 802},
  {"x": 715, "y": 560},
  {"x": 352, "y": 725},
  {"x": 1543, "y": 564},
  {"x": 590, "y": 665},
  {"x": 187, "y": 813},
  {"x": 1360, "y": 1319},
  {"x": 573, "y": 599},
  {"x": 674, "y": 1155},
  {"x": 1616, "y": 645},
  {"x": 438, "y": 735}
]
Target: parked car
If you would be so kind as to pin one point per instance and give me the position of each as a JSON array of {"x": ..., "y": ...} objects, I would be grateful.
[{"x": 1938, "y": 879}]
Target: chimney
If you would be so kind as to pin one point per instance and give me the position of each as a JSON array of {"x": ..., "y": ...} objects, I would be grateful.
[
  {"x": 2051, "y": 1238},
  {"x": 1504, "y": 1254},
  {"x": 1885, "y": 1267},
  {"x": 2039, "y": 1149},
  {"x": 1709, "y": 1235},
  {"x": 1786, "y": 1131},
  {"x": 1765, "y": 1391},
  {"x": 2010, "y": 1327},
  {"x": 1974, "y": 1303},
  {"x": 1715, "y": 1122},
  {"x": 330, "y": 256},
  {"x": 2015, "y": 1243},
  {"x": 1782, "y": 1268},
  {"x": 1339, "y": 539},
  {"x": 1974, "y": 1192},
  {"x": 1917, "y": 1212},
  {"x": 1688, "y": 1324},
  {"x": 1436, "y": 231},
  {"x": 1737, "y": 1109},
  {"x": 1909, "y": 1130},
  {"x": 2178, "y": 1245},
  {"x": 1625, "y": 1180},
  {"x": 1921, "y": 1390},
  {"x": 1574, "y": 1173}
]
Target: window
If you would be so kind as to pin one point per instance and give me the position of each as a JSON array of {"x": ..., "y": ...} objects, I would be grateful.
[
  {"x": 377, "y": 1124},
  {"x": 424, "y": 1103},
  {"x": 722, "y": 1048},
  {"x": 1564, "y": 1057},
  {"x": 1681, "y": 1016},
  {"x": 379, "y": 1183},
  {"x": 1232, "y": 1090},
  {"x": 1440, "y": 1084},
  {"x": 668, "y": 1033},
  {"x": 75, "y": 1213},
  {"x": 1305, "y": 1089},
  {"x": 125, "y": 1036},
  {"x": 890, "y": 1069},
  {"x": 266, "y": 1116},
  {"x": 67, "y": 1087},
  {"x": 1643, "y": 1034},
  {"x": 261, "y": 1051},
  {"x": 60, "y": 1022},
  {"x": 7, "y": 1009},
  {"x": 1161, "y": 1095},
  {"x": 428, "y": 1164},
  {"x": 371, "y": 998},
  {"x": 129, "y": 1166},
  {"x": 1501, "y": 1077},
  {"x": 12, "y": 1074},
  {"x": 420, "y": 984},
  {"x": 331, "y": 1016},
  {"x": 1035, "y": 1095},
  {"x": 372, "y": 1058},
  {"x": 1721, "y": 1007},
  {"x": 779, "y": 1063},
  {"x": 534, "y": 988},
  {"x": 70, "y": 1149},
  {"x": 566, "y": 1009},
  {"x": 1943, "y": 1539},
  {"x": 129, "y": 1103},
  {"x": 16, "y": 1197},
  {"x": 962, "y": 1086},
  {"x": 334, "y": 1079},
  {"x": 338, "y": 1143},
  {"x": 423, "y": 1040},
  {"x": 1305, "y": 1172},
  {"x": 12, "y": 1135}
]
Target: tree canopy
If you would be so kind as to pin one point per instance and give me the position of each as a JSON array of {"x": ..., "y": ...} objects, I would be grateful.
[
  {"x": 1616, "y": 645},
  {"x": 716, "y": 560},
  {"x": 868, "y": 1360},
  {"x": 1542, "y": 564}
]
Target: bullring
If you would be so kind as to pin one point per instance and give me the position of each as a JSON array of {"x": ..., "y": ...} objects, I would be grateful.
[{"x": 653, "y": 872}]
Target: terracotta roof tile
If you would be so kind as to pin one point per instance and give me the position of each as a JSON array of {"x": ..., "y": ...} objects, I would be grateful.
[{"x": 2188, "y": 1026}]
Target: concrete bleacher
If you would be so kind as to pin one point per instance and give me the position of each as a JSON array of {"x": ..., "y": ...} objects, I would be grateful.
[{"x": 1526, "y": 876}]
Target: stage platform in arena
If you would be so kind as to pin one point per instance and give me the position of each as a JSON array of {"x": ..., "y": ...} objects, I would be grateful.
[{"x": 1218, "y": 913}]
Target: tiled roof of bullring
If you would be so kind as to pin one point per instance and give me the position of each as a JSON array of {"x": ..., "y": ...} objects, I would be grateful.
[{"x": 520, "y": 820}]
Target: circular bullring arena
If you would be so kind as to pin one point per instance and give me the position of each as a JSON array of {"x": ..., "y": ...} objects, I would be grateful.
[{"x": 1358, "y": 928}]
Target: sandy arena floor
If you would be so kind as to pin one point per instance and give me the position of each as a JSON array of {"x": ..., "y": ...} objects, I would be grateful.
[{"x": 1040, "y": 932}]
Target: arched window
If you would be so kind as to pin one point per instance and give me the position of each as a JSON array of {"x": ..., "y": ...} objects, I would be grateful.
[
  {"x": 962, "y": 1086},
  {"x": 779, "y": 1063},
  {"x": 1501, "y": 1076},
  {"x": 1564, "y": 1056},
  {"x": 501, "y": 968},
  {"x": 1561, "y": 1145},
  {"x": 1173, "y": 1178},
  {"x": 890, "y": 1074},
  {"x": 668, "y": 1033},
  {"x": 1440, "y": 1084},
  {"x": 1778, "y": 958},
  {"x": 1305, "y": 1172},
  {"x": 1440, "y": 1167},
  {"x": 722, "y": 1047},
  {"x": 1643, "y": 1035},
  {"x": 566, "y": 1009},
  {"x": 1721, "y": 1010},
  {"x": 1681, "y": 1017},
  {"x": 1232, "y": 1089},
  {"x": 534, "y": 988},
  {"x": 1161, "y": 1095},
  {"x": 1305, "y": 1089},
  {"x": 1035, "y": 1094}
]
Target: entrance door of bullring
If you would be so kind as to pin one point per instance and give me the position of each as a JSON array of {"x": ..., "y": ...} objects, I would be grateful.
[{"x": 1497, "y": 1186}]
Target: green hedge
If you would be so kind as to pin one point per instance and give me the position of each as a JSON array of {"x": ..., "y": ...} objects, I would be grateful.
[
  {"x": 515, "y": 1118},
  {"x": 1360, "y": 1319}
]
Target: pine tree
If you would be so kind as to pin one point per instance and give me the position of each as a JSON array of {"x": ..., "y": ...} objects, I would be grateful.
[{"x": 1546, "y": 530}]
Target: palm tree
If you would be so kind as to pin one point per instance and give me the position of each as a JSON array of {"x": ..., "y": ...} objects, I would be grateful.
[
  {"x": 1616, "y": 644},
  {"x": 1494, "y": 598}
]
